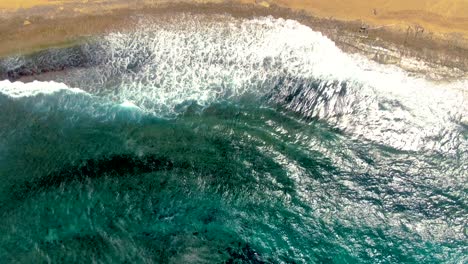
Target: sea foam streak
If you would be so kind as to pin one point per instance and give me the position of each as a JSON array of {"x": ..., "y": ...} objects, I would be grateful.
[
  {"x": 47, "y": 97},
  {"x": 20, "y": 89}
]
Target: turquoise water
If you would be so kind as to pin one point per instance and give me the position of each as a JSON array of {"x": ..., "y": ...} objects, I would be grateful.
[{"x": 133, "y": 168}]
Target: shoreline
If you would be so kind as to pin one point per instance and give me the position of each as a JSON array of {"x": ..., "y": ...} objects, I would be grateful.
[
  {"x": 51, "y": 26},
  {"x": 435, "y": 16}
]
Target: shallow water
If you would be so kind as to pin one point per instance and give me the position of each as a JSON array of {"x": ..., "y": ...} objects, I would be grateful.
[{"x": 210, "y": 139}]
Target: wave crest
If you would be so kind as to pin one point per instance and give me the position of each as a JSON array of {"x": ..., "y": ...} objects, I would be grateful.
[{"x": 162, "y": 64}]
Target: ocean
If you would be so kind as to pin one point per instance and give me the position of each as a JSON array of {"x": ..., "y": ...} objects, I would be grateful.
[{"x": 214, "y": 139}]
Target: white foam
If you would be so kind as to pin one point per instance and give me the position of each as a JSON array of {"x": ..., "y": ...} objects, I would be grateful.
[
  {"x": 20, "y": 89},
  {"x": 128, "y": 104},
  {"x": 204, "y": 59}
]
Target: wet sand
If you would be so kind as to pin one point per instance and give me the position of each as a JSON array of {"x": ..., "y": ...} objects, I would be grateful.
[{"x": 434, "y": 45}]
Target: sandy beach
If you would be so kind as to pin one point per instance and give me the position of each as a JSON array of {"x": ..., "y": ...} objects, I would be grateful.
[{"x": 436, "y": 16}]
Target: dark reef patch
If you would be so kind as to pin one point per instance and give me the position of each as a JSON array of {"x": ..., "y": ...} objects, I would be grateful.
[{"x": 115, "y": 166}]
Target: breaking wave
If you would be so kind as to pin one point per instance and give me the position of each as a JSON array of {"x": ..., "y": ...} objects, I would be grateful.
[{"x": 203, "y": 59}]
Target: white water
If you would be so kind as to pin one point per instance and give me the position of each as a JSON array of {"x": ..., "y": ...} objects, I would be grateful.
[
  {"x": 19, "y": 89},
  {"x": 204, "y": 59}
]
